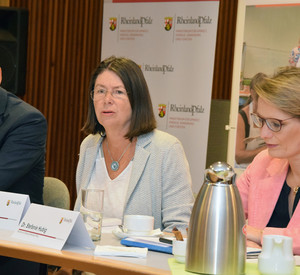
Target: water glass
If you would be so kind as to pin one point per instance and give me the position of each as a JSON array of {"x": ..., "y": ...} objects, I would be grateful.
[{"x": 92, "y": 211}]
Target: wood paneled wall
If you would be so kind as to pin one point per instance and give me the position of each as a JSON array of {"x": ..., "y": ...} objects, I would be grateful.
[
  {"x": 4, "y": 3},
  {"x": 64, "y": 45},
  {"x": 224, "y": 54}
]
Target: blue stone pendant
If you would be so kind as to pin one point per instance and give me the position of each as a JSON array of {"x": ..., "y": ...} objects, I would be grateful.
[{"x": 114, "y": 166}]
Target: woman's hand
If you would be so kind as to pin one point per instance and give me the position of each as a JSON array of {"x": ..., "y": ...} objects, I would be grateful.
[{"x": 254, "y": 234}]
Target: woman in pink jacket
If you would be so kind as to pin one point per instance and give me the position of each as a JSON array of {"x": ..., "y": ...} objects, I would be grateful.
[{"x": 269, "y": 187}]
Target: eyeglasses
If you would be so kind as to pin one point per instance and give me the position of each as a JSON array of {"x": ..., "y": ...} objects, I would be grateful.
[
  {"x": 100, "y": 94},
  {"x": 272, "y": 123}
]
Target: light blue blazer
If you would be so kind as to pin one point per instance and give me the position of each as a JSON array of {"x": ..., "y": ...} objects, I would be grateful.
[{"x": 160, "y": 183}]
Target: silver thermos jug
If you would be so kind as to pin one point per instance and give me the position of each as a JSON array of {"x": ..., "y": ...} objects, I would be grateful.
[{"x": 216, "y": 241}]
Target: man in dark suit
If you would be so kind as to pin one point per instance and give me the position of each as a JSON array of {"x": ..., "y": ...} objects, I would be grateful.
[{"x": 23, "y": 132}]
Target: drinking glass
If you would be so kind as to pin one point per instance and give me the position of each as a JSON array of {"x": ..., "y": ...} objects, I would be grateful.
[{"x": 92, "y": 211}]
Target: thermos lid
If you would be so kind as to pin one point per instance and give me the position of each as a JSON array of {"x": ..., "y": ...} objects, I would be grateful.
[{"x": 220, "y": 172}]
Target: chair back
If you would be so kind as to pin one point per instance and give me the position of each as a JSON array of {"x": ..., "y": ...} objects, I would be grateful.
[{"x": 56, "y": 193}]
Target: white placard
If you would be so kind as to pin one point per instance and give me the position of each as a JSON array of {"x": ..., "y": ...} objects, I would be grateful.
[
  {"x": 53, "y": 228},
  {"x": 13, "y": 207}
]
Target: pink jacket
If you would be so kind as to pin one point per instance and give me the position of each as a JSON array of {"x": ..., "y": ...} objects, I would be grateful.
[{"x": 260, "y": 186}]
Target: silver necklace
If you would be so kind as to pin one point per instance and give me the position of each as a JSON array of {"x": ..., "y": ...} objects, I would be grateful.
[{"x": 115, "y": 163}]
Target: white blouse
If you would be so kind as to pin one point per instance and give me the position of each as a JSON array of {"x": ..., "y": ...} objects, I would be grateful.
[{"x": 114, "y": 190}]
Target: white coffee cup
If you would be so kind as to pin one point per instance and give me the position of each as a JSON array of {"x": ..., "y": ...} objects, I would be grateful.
[
  {"x": 276, "y": 256},
  {"x": 179, "y": 250},
  {"x": 138, "y": 225}
]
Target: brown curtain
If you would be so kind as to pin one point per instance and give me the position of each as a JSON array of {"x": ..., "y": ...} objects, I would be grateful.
[{"x": 64, "y": 45}]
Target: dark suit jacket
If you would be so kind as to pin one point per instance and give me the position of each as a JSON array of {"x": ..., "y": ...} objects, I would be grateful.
[{"x": 23, "y": 132}]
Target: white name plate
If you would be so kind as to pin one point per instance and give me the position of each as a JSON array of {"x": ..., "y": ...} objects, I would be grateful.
[
  {"x": 53, "y": 228},
  {"x": 13, "y": 207}
]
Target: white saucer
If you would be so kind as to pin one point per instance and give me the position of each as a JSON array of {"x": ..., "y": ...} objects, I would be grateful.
[{"x": 120, "y": 234}]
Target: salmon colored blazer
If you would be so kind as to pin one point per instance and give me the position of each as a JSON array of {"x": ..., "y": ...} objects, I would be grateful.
[{"x": 260, "y": 186}]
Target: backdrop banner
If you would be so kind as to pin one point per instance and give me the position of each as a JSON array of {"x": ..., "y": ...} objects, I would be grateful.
[{"x": 174, "y": 43}]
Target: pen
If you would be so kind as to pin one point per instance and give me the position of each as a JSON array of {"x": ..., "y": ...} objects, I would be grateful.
[{"x": 165, "y": 240}]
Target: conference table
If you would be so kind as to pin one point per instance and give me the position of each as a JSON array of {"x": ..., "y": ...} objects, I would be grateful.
[{"x": 84, "y": 259}]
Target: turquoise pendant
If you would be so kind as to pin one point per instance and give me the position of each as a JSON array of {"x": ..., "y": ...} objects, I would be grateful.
[{"x": 114, "y": 166}]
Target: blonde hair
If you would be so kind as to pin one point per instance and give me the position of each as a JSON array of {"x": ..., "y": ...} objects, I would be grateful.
[{"x": 282, "y": 90}]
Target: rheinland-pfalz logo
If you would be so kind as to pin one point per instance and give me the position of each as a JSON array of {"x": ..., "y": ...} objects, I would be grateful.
[
  {"x": 112, "y": 23},
  {"x": 168, "y": 23},
  {"x": 143, "y": 20},
  {"x": 162, "y": 110}
]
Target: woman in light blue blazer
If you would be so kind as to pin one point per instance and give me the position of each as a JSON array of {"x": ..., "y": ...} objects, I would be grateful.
[{"x": 142, "y": 170}]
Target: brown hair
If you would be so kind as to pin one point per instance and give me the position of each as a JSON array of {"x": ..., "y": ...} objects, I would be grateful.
[
  {"x": 256, "y": 79},
  {"x": 142, "y": 119}
]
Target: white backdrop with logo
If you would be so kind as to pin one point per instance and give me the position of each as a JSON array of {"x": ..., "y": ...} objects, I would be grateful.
[{"x": 174, "y": 43}]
